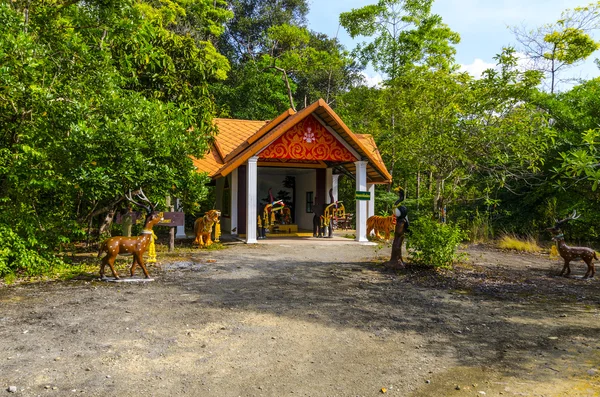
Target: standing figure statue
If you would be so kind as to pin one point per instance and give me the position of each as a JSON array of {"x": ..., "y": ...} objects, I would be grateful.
[
  {"x": 268, "y": 215},
  {"x": 318, "y": 213},
  {"x": 332, "y": 211},
  {"x": 401, "y": 213},
  {"x": 260, "y": 228}
]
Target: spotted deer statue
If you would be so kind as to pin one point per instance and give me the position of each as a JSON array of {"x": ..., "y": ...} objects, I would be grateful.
[
  {"x": 571, "y": 253},
  {"x": 136, "y": 246}
]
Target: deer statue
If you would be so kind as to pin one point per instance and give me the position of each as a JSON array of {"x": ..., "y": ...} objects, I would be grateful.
[
  {"x": 570, "y": 253},
  {"x": 135, "y": 246}
]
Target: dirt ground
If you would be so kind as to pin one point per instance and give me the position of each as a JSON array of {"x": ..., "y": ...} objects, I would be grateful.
[{"x": 310, "y": 317}]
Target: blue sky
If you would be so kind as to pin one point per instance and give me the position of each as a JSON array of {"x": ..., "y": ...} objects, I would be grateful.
[{"x": 482, "y": 25}]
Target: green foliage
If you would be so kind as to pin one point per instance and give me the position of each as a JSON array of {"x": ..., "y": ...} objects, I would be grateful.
[
  {"x": 97, "y": 99},
  {"x": 278, "y": 62},
  {"x": 552, "y": 48},
  {"x": 244, "y": 37},
  {"x": 25, "y": 256},
  {"x": 481, "y": 229},
  {"x": 456, "y": 141},
  {"x": 252, "y": 80},
  {"x": 384, "y": 201},
  {"x": 434, "y": 244},
  {"x": 577, "y": 113},
  {"x": 404, "y": 33},
  {"x": 570, "y": 45}
]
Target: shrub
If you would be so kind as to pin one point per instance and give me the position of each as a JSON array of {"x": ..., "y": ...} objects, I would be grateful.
[
  {"x": 481, "y": 228},
  {"x": 433, "y": 243},
  {"x": 20, "y": 255}
]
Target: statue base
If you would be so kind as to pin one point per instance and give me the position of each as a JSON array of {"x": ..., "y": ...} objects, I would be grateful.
[{"x": 126, "y": 280}]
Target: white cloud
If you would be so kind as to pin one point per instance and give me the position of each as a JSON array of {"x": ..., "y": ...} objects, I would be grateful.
[
  {"x": 476, "y": 68},
  {"x": 479, "y": 66},
  {"x": 372, "y": 81}
]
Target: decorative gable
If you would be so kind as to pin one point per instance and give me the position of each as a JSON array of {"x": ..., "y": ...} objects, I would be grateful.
[{"x": 308, "y": 140}]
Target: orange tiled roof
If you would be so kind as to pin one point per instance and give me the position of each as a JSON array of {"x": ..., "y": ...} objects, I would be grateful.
[
  {"x": 368, "y": 141},
  {"x": 238, "y": 140},
  {"x": 232, "y": 133}
]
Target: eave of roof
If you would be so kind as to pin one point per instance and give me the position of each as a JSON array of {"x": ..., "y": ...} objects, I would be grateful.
[
  {"x": 259, "y": 134},
  {"x": 288, "y": 120}
]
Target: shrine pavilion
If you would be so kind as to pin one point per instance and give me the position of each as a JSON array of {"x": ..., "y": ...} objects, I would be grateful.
[{"x": 299, "y": 157}]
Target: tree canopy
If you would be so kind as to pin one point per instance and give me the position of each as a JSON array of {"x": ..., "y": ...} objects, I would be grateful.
[{"x": 99, "y": 98}]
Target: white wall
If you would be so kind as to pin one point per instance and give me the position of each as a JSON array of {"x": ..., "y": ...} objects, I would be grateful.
[
  {"x": 272, "y": 178},
  {"x": 305, "y": 182},
  {"x": 225, "y": 222}
]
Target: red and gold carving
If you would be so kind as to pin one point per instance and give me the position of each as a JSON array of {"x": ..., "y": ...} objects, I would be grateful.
[{"x": 308, "y": 140}]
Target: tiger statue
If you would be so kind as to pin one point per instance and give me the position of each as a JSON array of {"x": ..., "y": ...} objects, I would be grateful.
[
  {"x": 378, "y": 224},
  {"x": 203, "y": 228}
]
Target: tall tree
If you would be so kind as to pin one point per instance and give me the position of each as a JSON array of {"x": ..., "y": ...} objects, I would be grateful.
[
  {"x": 336, "y": 72},
  {"x": 245, "y": 36},
  {"x": 404, "y": 34},
  {"x": 555, "y": 47},
  {"x": 98, "y": 98},
  {"x": 277, "y": 62},
  {"x": 462, "y": 136}
]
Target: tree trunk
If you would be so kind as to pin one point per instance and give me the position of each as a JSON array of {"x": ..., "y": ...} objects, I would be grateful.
[
  {"x": 107, "y": 223},
  {"x": 393, "y": 150},
  {"x": 104, "y": 209},
  {"x": 552, "y": 70},
  {"x": 438, "y": 193},
  {"x": 430, "y": 181},
  {"x": 287, "y": 84},
  {"x": 171, "y": 229},
  {"x": 171, "y": 239},
  {"x": 418, "y": 188},
  {"x": 89, "y": 231}
]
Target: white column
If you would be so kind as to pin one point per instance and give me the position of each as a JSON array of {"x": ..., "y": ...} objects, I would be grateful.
[
  {"x": 251, "y": 202},
  {"x": 180, "y": 233},
  {"x": 371, "y": 203},
  {"x": 234, "y": 202},
  {"x": 361, "y": 205},
  {"x": 335, "y": 181}
]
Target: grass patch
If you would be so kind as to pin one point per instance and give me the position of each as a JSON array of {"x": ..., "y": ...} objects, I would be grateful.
[
  {"x": 83, "y": 263},
  {"x": 64, "y": 271},
  {"x": 516, "y": 244}
]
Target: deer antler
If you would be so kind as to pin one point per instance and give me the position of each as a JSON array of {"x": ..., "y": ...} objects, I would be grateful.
[
  {"x": 573, "y": 216},
  {"x": 140, "y": 194}
]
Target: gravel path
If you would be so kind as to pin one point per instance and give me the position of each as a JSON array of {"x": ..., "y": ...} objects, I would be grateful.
[{"x": 311, "y": 317}]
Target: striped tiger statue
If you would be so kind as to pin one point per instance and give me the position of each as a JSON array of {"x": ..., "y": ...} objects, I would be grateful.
[
  {"x": 378, "y": 224},
  {"x": 203, "y": 228}
]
